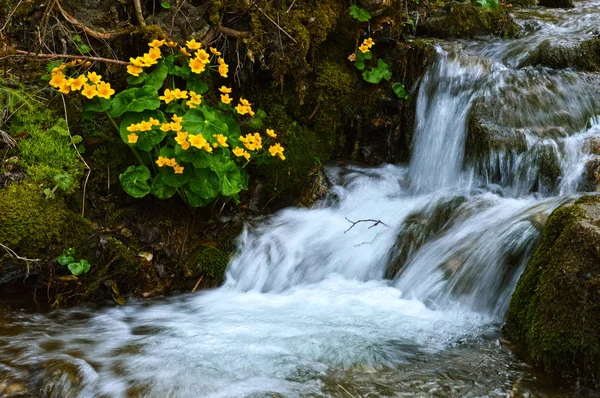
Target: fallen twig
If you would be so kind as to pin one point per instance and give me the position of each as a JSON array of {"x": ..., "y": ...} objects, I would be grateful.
[
  {"x": 197, "y": 283},
  {"x": 276, "y": 24},
  {"x": 375, "y": 223},
  {"x": 13, "y": 254},
  {"x": 21, "y": 53},
  {"x": 138, "y": 12}
]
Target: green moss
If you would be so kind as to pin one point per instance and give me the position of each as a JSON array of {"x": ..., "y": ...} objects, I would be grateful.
[
  {"x": 463, "y": 20},
  {"x": 583, "y": 56},
  {"x": 209, "y": 261},
  {"x": 555, "y": 309},
  {"x": 45, "y": 149},
  {"x": 35, "y": 227}
]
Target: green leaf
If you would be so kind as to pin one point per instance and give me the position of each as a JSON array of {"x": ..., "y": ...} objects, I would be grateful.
[
  {"x": 49, "y": 193},
  {"x": 63, "y": 181},
  {"x": 147, "y": 139},
  {"x": 160, "y": 189},
  {"x": 256, "y": 123},
  {"x": 205, "y": 183},
  {"x": 194, "y": 199},
  {"x": 196, "y": 84},
  {"x": 65, "y": 259},
  {"x": 360, "y": 14},
  {"x": 206, "y": 121},
  {"x": 135, "y": 100},
  {"x": 76, "y": 139},
  {"x": 183, "y": 155},
  {"x": 136, "y": 80},
  {"x": 205, "y": 160},
  {"x": 381, "y": 71},
  {"x": 489, "y": 4},
  {"x": 135, "y": 181},
  {"x": 361, "y": 58},
  {"x": 176, "y": 180},
  {"x": 165, "y": 5},
  {"x": 262, "y": 115},
  {"x": 230, "y": 179},
  {"x": 400, "y": 90},
  {"x": 157, "y": 78},
  {"x": 93, "y": 106},
  {"x": 78, "y": 268}
]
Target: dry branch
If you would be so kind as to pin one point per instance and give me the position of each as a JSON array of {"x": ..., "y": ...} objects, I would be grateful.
[
  {"x": 375, "y": 223},
  {"x": 21, "y": 53}
]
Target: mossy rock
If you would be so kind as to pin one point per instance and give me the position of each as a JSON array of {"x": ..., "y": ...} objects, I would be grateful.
[
  {"x": 208, "y": 261},
  {"x": 583, "y": 56},
  {"x": 465, "y": 20},
  {"x": 555, "y": 308},
  {"x": 38, "y": 228}
]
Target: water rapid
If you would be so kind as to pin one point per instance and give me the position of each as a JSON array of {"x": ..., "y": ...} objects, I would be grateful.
[{"x": 322, "y": 302}]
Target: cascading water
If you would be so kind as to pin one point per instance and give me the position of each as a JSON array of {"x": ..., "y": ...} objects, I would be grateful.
[{"x": 307, "y": 309}]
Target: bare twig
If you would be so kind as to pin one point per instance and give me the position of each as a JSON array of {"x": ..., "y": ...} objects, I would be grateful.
[
  {"x": 275, "y": 23},
  {"x": 197, "y": 283},
  {"x": 375, "y": 223},
  {"x": 290, "y": 7},
  {"x": 10, "y": 15},
  {"x": 88, "y": 169},
  {"x": 232, "y": 32},
  {"x": 138, "y": 12},
  {"x": 13, "y": 254},
  {"x": 21, "y": 53},
  {"x": 346, "y": 391}
]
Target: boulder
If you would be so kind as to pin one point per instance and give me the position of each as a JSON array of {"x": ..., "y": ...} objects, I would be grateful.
[
  {"x": 584, "y": 55},
  {"x": 555, "y": 308}
]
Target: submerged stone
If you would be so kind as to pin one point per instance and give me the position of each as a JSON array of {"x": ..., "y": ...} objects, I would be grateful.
[{"x": 555, "y": 309}]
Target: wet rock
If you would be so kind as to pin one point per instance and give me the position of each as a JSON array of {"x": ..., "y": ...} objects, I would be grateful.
[
  {"x": 465, "y": 20},
  {"x": 555, "y": 309},
  {"x": 316, "y": 188},
  {"x": 376, "y": 7},
  {"x": 208, "y": 261},
  {"x": 583, "y": 55},
  {"x": 556, "y": 3},
  {"x": 590, "y": 181}
]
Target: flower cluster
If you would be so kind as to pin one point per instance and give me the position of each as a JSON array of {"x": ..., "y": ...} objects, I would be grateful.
[
  {"x": 90, "y": 85},
  {"x": 253, "y": 142},
  {"x": 366, "y": 45},
  {"x": 170, "y": 162},
  {"x": 244, "y": 107},
  {"x": 140, "y": 127}
]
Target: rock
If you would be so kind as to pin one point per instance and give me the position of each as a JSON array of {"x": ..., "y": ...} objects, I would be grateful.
[
  {"x": 316, "y": 188},
  {"x": 376, "y": 7},
  {"x": 555, "y": 308},
  {"x": 583, "y": 55},
  {"x": 206, "y": 260},
  {"x": 556, "y": 3},
  {"x": 465, "y": 20},
  {"x": 590, "y": 181}
]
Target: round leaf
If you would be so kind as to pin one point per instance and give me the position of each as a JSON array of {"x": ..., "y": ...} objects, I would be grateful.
[
  {"x": 160, "y": 189},
  {"x": 135, "y": 181},
  {"x": 205, "y": 183},
  {"x": 135, "y": 100}
]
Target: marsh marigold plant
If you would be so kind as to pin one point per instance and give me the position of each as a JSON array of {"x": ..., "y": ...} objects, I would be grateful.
[{"x": 183, "y": 145}]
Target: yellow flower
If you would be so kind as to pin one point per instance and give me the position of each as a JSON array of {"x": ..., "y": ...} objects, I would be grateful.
[
  {"x": 132, "y": 138},
  {"x": 178, "y": 169},
  {"x": 369, "y": 42},
  {"x": 244, "y": 102},
  {"x": 134, "y": 70},
  {"x": 271, "y": 133},
  {"x": 77, "y": 84},
  {"x": 185, "y": 52},
  {"x": 65, "y": 85},
  {"x": 197, "y": 66},
  {"x": 215, "y": 145},
  {"x": 193, "y": 45},
  {"x": 203, "y": 56},
  {"x": 59, "y": 69},
  {"x": 225, "y": 98},
  {"x": 177, "y": 119},
  {"x": 104, "y": 90},
  {"x": 181, "y": 139},
  {"x": 148, "y": 60},
  {"x": 94, "y": 77},
  {"x": 215, "y": 51},
  {"x": 221, "y": 139},
  {"x": 87, "y": 63},
  {"x": 238, "y": 151},
  {"x": 145, "y": 126},
  {"x": 252, "y": 141},
  {"x": 176, "y": 126},
  {"x": 171, "y": 44},
  {"x": 195, "y": 99},
  {"x": 241, "y": 109},
  {"x": 277, "y": 150},
  {"x": 178, "y": 94},
  {"x": 89, "y": 91},
  {"x": 139, "y": 62},
  {"x": 207, "y": 148},
  {"x": 57, "y": 79},
  {"x": 197, "y": 141},
  {"x": 166, "y": 127},
  {"x": 132, "y": 128},
  {"x": 171, "y": 162},
  {"x": 167, "y": 96},
  {"x": 154, "y": 122},
  {"x": 364, "y": 48},
  {"x": 225, "y": 90},
  {"x": 161, "y": 161},
  {"x": 223, "y": 67},
  {"x": 154, "y": 54},
  {"x": 156, "y": 43},
  {"x": 247, "y": 155}
]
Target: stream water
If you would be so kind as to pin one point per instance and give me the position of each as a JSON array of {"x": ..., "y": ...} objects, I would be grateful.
[{"x": 317, "y": 306}]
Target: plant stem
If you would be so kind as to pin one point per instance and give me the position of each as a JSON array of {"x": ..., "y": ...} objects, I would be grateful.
[{"x": 135, "y": 152}]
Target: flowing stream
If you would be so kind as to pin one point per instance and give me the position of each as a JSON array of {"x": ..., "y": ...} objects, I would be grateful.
[{"x": 410, "y": 306}]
